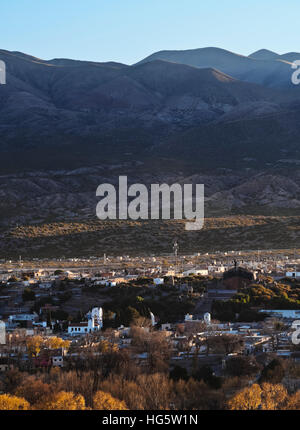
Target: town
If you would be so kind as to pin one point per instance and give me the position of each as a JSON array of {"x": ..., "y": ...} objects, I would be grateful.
[{"x": 213, "y": 324}]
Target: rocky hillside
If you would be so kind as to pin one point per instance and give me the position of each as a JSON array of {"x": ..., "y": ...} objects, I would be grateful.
[{"x": 197, "y": 116}]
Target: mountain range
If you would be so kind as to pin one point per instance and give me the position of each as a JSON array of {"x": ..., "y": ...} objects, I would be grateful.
[{"x": 230, "y": 120}]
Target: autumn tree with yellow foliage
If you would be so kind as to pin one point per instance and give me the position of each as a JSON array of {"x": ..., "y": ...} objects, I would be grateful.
[
  {"x": 55, "y": 342},
  {"x": 13, "y": 403},
  {"x": 34, "y": 345},
  {"x": 106, "y": 402},
  {"x": 66, "y": 401},
  {"x": 264, "y": 397}
]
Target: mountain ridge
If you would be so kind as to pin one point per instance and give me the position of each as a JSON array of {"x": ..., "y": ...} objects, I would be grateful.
[{"x": 67, "y": 125}]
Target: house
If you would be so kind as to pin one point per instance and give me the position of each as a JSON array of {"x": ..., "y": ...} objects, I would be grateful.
[
  {"x": 216, "y": 269},
  {"x": 158, "y": 281},
  {"x": 294, "y": 275},
  {"x": 282, "y": 313},
  {"x": 57, "y": 357},
  {"x": 200, "y": 272},
  {"x": 57, "y": 361},
  {"x": 166, "y": 326},
  {"x": 78, "y": 328},
  {"x": 4, "y": 364},
  {"x": 43, "y": 359},
  {"x": 111, "y": 283},
  {"x": 22, "y": 318},
  {"x": 45, "y": 285}
]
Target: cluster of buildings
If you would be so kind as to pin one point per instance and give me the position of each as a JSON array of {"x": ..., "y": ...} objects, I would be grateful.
[{"x": 186, "y": 338}]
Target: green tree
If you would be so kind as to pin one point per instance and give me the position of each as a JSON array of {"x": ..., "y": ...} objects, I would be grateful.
[
  {"x": 242, "y": 366},
  {"x": 273, "y": 372},
  {"x": 28, "y": 295},
  {"x": 179, "y": 373}
]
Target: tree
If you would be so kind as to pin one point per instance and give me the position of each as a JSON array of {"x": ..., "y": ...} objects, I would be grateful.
[
  {"x": 130, "y": 315},
  {"x": 273, "y": 327},
  {"x": 63, "y": 401},
  {"x": 247, "y": 399},
  {"x": 54, "y": 342},
  {"x": 156, "y": 390},
  {"x": 265, "y": 397},
  {"x": 58, "y": 272},
  {"x": 106, "y": 402},
  {"x": 142, "y": 322},
  {"x": 242, "y": 366},
  {"x": 34, "y": 391},
  {"x": 231, "y": 343},
  {"x": 206, "y": 374},
  {"x": 273, "y": 396},
  {"x": 12, "y": 379},
  {"x": 28, "y": 295},
  {"x": 34, "y": 344},
  {"x": 195, "y": 395},
  {"x": 293, "y": 402},
  {"x": 273, "y": 372},
  {"x": 13, "y": 403},
  {"x": 179, "y": 373}
]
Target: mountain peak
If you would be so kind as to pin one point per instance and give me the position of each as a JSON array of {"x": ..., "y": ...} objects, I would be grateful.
[{"x": 263, "y": 54}]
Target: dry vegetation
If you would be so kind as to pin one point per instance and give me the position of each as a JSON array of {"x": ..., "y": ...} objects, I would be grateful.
[{"x": 143, "y": 237}]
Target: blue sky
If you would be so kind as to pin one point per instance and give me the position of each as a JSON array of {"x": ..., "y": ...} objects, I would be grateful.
[{"x": 129, "y": 30}]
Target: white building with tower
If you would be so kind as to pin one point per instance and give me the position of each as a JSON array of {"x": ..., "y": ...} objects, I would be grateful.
[
  {"x": 93, "y": 324},
  {"x": 207, "y": 318}
]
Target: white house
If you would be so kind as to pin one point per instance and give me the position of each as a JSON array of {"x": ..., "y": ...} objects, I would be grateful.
[
  {"x": 282, "y": 313},
  {"x": 201, "y": 272},
  {"x": 22, "y": 317},
  {"x": 57, "y": 361},
  {"x": 293, "y": 275},
  {"x": 158, "y": 281},
  {"x": 111, "y": 283},
  {"x": 40, "y": 324},
  {"x": 166, "y": 326},
  {"x": 45, "y": 285},
  {"x": 57, "y": 357},
  {"x": 216, "y": 269}
]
